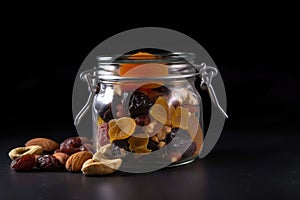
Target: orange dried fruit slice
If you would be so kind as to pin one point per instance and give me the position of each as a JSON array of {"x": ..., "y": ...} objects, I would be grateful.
[
  {"x": 143, "y": 70},
  {"x": 138, "y": 143},
  {"x": 196, "y": 132},
  {"x": 180, "y": 118},
  {"x": 121, "y": 128}
]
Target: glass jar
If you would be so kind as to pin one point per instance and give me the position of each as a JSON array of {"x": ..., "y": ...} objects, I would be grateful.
[{"x": 146, "y": 109}]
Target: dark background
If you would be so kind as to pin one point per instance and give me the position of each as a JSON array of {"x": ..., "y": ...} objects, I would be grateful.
[{"x": 255, "y": 50}]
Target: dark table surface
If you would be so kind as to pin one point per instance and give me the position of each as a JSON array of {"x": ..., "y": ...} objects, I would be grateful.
[{"x": 243, "y": 165}]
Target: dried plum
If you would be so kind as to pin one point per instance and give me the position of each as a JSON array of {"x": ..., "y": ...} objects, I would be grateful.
[
  {"x": 48, "y": 163},
  {"x": 139, "y": 104},
  {"x": 122, "y": 144}
]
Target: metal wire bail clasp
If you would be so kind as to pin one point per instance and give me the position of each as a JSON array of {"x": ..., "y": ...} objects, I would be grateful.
[
  {"x": 207, "y": 73},
  {"x": 87, "y": 77}
]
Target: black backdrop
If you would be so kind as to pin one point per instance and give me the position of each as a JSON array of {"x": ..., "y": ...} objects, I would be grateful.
[{"x": 254, "y": 55}]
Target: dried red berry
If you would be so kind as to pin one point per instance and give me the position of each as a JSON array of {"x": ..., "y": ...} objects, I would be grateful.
[{"x": 23, "y": 163}]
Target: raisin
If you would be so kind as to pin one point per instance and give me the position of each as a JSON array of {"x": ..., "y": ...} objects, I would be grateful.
[
  {"x": 139, "y": 104},
  {"x": 23, "y": 163},
  {"x": 190, "y": 151},
  {"x": 48, "y": 163},
  {"x": 143, "y": 120},
  {"x": 122, "y": 144},
  {"x": 72, "y": 145},
  {"x": 152, "y": 145}
]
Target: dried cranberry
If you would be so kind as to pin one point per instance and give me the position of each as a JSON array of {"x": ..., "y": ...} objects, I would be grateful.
[
  {"x": 103, "y": 137},
  {"x": 48, "y": 163},
  {"x": 190, "y": 151},
  {"x": 139, "y": 104},
  {"x": 143, "y": 120},
  {"x": 23, "y": 163}
]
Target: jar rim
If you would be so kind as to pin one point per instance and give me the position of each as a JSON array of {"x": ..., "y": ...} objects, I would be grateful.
[{"x": 169, "y": 57}]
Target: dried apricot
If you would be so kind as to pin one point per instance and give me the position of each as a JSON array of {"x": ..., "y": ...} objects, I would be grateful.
[
  {"x": 138, "y": 143},
  {"x": 180, "y": 118},
  {"x": 121, "y": 128},
  {"x": 100, "y": 121}
]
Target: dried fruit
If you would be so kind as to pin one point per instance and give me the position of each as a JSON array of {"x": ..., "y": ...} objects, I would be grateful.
[
  {"x": 29, "y": 150},
  {"x": 180, "y": 118},
  {"x": 196, "y": 132},
  {"x": 62, "y": 157},
  {"x": 49, "y": 163},
  {"x": 122, "y": 144},
  {"x": 190, "y": 151},
  {"x": 100, "y": 121},
  {"x": 121, "y": 128},
  {"x": 161, "y": 111},
  {"x": 72, "y": 145},
  {"x": 105, "y": 111},
  {"x": 93, "y": 167},
  {"x": 103, "y": 137},
  {"x": 75, "y": 161},
  {"x": 143, "y": 120},
  {"x": 23, "y": 163},
  {"x": 139, "y": 104},
  {"x": 47, "y": 144},
  {"x": 138, "y": 143}
]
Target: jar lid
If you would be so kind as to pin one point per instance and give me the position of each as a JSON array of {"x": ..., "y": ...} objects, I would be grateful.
[{"x": 179, "y": 65}]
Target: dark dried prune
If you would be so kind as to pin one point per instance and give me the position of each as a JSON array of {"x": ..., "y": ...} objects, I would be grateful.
[
  {"x": 72, "y": 145},
  {"x": 152, "y": 145},
  {"x": 23, "y": 163},
  {"x": 48, "y": 163},
  {"x": 139, "y": 104},
  {"x": 143, "y": 120},
  {"x": 122, "y": 144},
  {"x": 190, "y": 151}
]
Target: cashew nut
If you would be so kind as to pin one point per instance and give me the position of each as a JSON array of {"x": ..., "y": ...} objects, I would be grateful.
[
  {"x": 29, "y": 150},
  {"x": 94, "y": 167}
]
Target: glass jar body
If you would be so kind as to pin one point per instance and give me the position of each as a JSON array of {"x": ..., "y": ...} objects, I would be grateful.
[{"x": 139, "y": 118}]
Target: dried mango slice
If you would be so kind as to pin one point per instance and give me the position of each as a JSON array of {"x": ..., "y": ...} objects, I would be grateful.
[
  {"x": 138, "y": 143},
  {"x": 161, "y": 111},
  {"x": 121, "y": 128},
  {"x": 180, "y": 118},
  {"x": 196, "y": 132}
]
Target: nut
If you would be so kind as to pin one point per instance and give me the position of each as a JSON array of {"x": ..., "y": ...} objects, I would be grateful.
[
  {"x": 23, "y": 163},
  {"x": 47, "y": 144},
  {"x": 75, "y": 161},
  {"x": 94, "y": 167},
  {"x": 62, "y": 157},
  {"x": 161, "y": 144},
  {"x": 29, "y": 150}
]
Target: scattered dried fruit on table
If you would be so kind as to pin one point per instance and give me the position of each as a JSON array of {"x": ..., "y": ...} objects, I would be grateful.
[
  {"x": 47, "y": 144},
  {"x": 138, "y": 143},
  {"x": 72, "y": 145},
  {"x": 23, "y": 163},
  {"x": 49, "y": 163},
  {"x": 121, "y": 128},
  {"x": 75, "y": 161},
  {"x": 29, "y": 150}
]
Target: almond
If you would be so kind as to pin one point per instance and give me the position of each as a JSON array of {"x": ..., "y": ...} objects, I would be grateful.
[
  {"x": 76, "y": 160},
  {"x": 62, "y": 157},
  {"x": 47, "y": 144}
]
